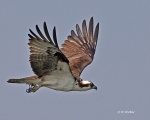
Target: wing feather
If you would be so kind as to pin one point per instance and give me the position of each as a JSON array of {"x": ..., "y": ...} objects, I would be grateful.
[
  {"x": 80, "y": 48},
  {"x": 44, "y": 53},
  {"x": 40, "y": 33},
  {"x": 84, "y": 30},
  {"x": 47, "y": 33},
  {"x": 55, "y": 37},
  {"x": 91, "y": 30},
  {"x": 96, "y": 34}
]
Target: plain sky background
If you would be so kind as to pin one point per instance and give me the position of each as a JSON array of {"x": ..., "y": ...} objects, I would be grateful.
[{"x": 121, "y": 67}]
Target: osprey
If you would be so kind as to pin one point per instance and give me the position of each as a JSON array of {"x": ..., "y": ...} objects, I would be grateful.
[{"x": 60, "y": 68}]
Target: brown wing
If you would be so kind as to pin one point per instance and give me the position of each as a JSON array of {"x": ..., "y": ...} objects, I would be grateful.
[
  {"x": 80, "y": 48},
  {"x": 44, "y": 52}
]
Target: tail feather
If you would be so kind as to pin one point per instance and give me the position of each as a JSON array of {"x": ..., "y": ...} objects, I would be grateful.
[
  {"x": 15, "y": 81},
  {"x": 27, "y": 80}
]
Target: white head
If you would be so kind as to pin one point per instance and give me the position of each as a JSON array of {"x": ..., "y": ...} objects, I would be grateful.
[{"x": 84, "y": 85}]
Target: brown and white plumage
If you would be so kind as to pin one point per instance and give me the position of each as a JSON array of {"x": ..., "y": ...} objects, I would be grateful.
[
  {"x": 83, "y": 44},
  {"x": 44, "y": 53},
  {"x": 60, "y": 69}
]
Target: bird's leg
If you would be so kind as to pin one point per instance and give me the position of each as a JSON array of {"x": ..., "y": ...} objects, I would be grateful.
[{"x": 33, "y": 88}]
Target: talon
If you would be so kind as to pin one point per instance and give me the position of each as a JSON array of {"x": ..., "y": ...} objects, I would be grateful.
[
  {"x": 30, "y": 87},
  {"x": 27, "y": 90}
]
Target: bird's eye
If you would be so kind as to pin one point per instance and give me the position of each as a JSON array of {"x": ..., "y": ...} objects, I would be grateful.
[{"x": 92, "y": 84}]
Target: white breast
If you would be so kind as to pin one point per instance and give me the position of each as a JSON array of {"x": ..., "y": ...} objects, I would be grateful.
[{"x": 60, "y": 79}]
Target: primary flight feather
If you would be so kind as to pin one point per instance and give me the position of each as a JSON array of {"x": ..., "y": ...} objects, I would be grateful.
[{"x": 60, "y": 68}]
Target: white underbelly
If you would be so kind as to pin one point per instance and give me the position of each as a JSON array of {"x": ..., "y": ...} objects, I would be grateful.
[{"x": 59, "y": 80}]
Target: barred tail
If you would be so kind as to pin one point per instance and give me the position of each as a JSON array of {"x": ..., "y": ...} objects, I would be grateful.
[
  {"x": 26, "y": 80},
  {"x": 16, "y": 81}
]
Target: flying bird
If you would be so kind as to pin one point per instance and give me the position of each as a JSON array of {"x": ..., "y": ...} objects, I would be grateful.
[{"x": 60, "y": 68}]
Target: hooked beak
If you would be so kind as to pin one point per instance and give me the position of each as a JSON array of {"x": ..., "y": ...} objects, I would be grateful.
[{"x": 94, "y": 87}]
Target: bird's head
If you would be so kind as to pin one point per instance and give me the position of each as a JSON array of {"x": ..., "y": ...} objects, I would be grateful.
[{"x": 84, "y": 85}]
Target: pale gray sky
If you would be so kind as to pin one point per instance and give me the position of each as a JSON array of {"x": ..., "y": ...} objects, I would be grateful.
[{"x": 121, "y": 68}]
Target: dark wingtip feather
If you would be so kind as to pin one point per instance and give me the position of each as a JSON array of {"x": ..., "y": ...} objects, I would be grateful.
[
  {"x": 55, "y": 37},
  {"x": 84, "y": 30},
  {"x": 46, "y": 32},
  {"x": 96, "y": 32},
  {"x": 38, "y": 38},
  {"x": 91, "y": 28},
  {"x": 91, "y": 21},
  {"x": 91, "y": 18},
  {"x": 31, "y": 31},
  {"x": 30, "y": 36},
  {"x": 72, "y": 32},
  {"x": 83, "y": 24},
  {"x": 41, "y": 34},
  {"x": 79, "y": 33}
]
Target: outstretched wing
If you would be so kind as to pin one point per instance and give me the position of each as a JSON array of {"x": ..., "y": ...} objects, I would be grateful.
[
  {"x": 80, "y": 48},
  {"x": 45, "y": 53}
]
